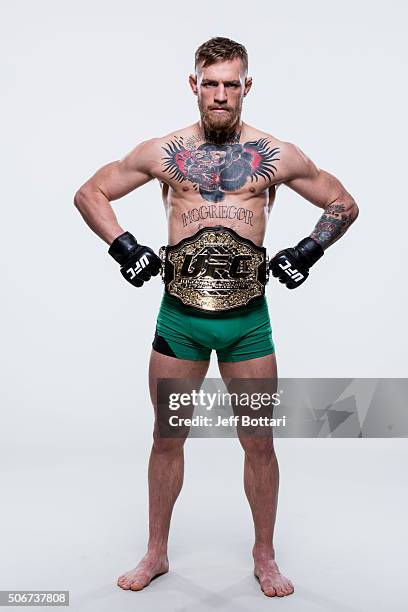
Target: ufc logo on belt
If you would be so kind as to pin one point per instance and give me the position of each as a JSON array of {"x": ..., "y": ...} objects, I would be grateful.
[
  {"x": 140, "y": 264},
  {"x": 208, "y": 265},
  {"x": 293, "y": 273}
]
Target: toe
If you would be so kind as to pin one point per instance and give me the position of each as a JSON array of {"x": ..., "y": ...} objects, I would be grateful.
[
  {"x": 123, "y": 584},
  {"x": 287, "y": 589},
  {"x": 269, "y": 590},
  {"x": 139, "y": 583}
]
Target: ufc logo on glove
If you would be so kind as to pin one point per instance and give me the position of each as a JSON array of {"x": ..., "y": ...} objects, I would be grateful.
[
  {"x": 294, "y": 274},
  {"x": 140, "y": 264}
]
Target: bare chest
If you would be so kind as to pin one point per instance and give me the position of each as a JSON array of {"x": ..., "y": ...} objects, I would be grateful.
[
  {"x": 215, "y": 171},
  {"x": 206, "y": 184}
]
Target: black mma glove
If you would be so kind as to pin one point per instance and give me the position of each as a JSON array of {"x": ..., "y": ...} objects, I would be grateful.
[
  {"x": 137, "y": 263},
  {"x": 291, "y": 266}
]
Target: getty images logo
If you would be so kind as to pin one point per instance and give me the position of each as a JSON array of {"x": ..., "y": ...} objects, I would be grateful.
[
  {"x": 140, "y": 264},
  {"x": 294, "y": 274}
]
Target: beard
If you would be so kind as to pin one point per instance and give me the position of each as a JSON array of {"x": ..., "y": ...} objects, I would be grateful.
[{"x": 219, "y": 129}]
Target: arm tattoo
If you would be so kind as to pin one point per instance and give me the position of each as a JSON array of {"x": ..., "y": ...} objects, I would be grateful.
[
  {"x": 216, "y": 169},
  {"x": 331, "y": 225}
]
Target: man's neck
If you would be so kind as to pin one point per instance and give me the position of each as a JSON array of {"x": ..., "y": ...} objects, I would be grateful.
[{"x": 220, "y": 136}]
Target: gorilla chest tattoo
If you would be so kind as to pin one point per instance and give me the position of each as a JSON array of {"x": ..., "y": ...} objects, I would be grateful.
[{"x": 217, "y": 169}]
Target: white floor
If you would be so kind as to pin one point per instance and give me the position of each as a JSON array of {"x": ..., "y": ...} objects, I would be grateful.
[{"x": 78, "y": 522}]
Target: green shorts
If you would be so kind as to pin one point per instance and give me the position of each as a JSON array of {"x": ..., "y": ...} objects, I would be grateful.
[{"x": 186, "y": 333}]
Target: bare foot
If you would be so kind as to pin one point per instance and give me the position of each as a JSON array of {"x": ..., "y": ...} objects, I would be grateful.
[
  {"x": 150, "y": 566},
  {"x": 272, "y": 582}
]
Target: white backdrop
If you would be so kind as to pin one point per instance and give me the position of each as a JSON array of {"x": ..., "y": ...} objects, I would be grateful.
[{"x": 83, "y": 83}]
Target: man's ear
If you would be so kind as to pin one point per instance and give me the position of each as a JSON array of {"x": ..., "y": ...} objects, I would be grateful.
[
  {"x": 248, "y": 85},
  {"x": 192, "y": 79}
]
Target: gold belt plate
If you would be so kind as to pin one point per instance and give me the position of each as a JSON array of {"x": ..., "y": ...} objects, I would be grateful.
[{"x": 216, "y": 270}]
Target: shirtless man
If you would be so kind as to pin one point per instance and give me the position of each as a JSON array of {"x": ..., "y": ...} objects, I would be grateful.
[{"x": 218, "y": 173}]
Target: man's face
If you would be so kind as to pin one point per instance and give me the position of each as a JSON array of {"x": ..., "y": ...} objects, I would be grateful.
[{"x": 220, "y": 89}]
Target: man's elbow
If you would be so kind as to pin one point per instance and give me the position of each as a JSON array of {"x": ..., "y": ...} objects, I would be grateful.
[
  {"x": 349, "y": 208},
  {"x": 353, "y": 212},
  {"x": 80, "y": 199}
]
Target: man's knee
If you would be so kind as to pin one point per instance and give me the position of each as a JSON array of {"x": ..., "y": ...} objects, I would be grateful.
[
  {"x": 167, "y": 445},
  {"x": 258, "y": 448}
]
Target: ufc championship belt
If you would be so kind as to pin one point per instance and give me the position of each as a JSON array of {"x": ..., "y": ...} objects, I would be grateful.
[{"x": 215, "y": 270}]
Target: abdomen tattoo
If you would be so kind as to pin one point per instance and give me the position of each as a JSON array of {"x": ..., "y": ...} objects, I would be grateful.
[{"x": 218, "y": 169}]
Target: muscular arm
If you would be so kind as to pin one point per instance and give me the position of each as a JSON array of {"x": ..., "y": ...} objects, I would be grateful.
[
  {"x": 322, "y": 189},
  {"x": 112, "y": 182}
]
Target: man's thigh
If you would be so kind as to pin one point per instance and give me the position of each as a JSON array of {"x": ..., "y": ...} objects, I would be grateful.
[
  {"x": 163, "y": 366},
  {"x": 250, "y": 379},
  {"x": 260, "y": 367},
  {"x": 179, "y": 376}
]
